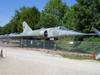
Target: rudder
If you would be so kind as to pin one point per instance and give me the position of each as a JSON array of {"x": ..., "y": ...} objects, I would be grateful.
[{"x": 26, "y": 28}]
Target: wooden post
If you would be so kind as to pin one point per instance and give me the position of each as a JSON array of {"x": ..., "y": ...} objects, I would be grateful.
[
  {"x": 94, "y": 56},
  {"x": 1, "y": 53}
]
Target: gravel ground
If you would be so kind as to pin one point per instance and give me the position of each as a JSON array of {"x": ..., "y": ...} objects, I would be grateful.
[{"x": 19, "y": 61}]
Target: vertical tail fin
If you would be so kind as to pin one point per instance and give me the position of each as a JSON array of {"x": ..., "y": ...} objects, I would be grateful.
[
  {"x": 26, "y": 28},
  {"x": 96, "y": 31}
]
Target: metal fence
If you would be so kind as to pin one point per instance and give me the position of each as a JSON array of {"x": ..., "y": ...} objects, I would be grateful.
[{"x": 73, "y": 46}]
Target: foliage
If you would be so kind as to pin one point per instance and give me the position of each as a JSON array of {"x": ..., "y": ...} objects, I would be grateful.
[
  {"x": 56, "y": 7},
  {"x": 52, "y": 14},
  {"x": 83, "y": 16},
  {"x": 70, "y": 19},
  {"x": 88, "y": 14},
  {"x": 49, "y": 20},
  {"x": 30, "y": 15}
]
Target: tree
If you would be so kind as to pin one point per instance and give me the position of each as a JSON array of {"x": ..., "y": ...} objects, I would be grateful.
[
  {"x": 30, "y": 15},
  {"x": 70, "y": 19},
  {"x": 83, "y": 16},
  {"x": 88, "y": 14},
  {"x": 0, "y": 30},
  {"x": 52, "y": 14},
  {"x": 56, "y": 7},
  {"x": 49, "y": 20}
]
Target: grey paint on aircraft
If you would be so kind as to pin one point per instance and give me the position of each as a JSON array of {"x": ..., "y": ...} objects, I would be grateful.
[{"x": 53, "y": 32}]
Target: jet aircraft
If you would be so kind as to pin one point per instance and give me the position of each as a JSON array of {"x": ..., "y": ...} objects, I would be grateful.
[{"x": 43, "y": 33}]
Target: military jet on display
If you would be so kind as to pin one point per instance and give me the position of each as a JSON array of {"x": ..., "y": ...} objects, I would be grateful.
[{"x": 43, "y": 33}]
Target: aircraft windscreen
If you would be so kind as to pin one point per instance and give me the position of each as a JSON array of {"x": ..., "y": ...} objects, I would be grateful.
[{"x": 62, "y": 28}]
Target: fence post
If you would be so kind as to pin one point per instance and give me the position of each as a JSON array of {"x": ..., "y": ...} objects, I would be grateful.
[
  {"x": 94, "y": 56},
  {"x": 1, "y": 53}
]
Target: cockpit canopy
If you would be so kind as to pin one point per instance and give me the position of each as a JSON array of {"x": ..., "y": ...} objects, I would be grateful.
[{"x": 62, "y": 28}]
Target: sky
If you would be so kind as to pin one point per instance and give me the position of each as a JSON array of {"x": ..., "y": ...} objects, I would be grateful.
[{"x": 8, "y": 7}]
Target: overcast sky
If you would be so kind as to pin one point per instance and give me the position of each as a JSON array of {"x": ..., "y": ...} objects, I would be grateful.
[{"x": 8, "y": 7}]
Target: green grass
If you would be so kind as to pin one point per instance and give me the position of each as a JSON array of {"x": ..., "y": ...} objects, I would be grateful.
[{"x": 77, "y": 57}]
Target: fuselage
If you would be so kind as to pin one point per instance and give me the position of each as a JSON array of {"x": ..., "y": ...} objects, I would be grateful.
[{"x": 51, "y": 32}]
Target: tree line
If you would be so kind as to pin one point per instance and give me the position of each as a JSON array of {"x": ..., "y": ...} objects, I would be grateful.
[{"x": 82, "y": 16}]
